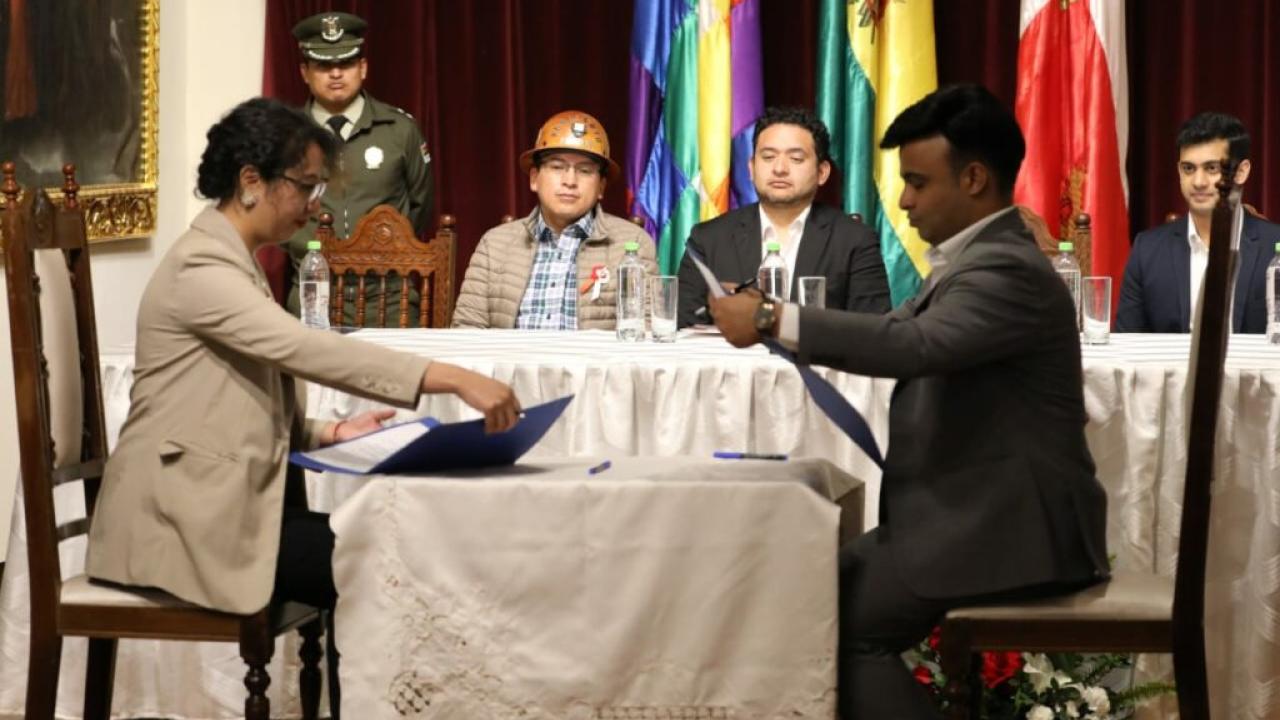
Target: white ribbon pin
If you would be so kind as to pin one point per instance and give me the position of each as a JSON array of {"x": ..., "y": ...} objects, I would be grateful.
[
  {"x": 602, "y": 277},
  {"x": 373, "y": 157}
]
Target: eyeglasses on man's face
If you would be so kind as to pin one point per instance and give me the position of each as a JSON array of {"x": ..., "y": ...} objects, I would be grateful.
[
  {"x": 313, "y": 191},
  {"x": 583, "y": 169}
]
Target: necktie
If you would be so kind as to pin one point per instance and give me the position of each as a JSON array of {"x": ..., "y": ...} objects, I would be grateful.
[{"x": 335, "y": 124}]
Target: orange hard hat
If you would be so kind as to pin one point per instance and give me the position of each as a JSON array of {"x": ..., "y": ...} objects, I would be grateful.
[{"x": 575, "y": 131}]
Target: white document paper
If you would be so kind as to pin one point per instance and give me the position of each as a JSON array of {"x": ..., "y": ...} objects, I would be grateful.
[
  {"x": 362, "y": 454},
  {"x": 713, "y": 283}
]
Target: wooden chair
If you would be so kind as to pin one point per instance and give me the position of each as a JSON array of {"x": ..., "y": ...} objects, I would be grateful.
[
  {"x": 1045, "y": 239},
  {"x": 1134, "y": 611},
  {"x": 62, "y": 439},
  {"x": 1081, "y": 235},
  {"x": 384, "y": 245},
  {"x": 1082, "y": 239}
]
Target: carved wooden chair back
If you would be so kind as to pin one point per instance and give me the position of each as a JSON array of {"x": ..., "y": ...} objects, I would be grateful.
[{"x": 384, "y": 254}]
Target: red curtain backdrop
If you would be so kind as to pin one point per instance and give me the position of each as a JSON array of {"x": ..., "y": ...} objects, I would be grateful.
[{"x": 482, "y": 75}]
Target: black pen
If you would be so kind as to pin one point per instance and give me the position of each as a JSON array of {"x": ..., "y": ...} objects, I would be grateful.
[{"x": 741, "y": 286}]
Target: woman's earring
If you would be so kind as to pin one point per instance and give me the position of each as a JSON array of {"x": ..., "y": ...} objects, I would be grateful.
[{"x": 248, "y": 199}]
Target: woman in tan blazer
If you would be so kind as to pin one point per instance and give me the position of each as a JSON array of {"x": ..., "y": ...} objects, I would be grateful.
[{"x": 193, "y": 500}]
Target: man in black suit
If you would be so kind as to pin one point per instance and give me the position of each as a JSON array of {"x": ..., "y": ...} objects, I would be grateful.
[
  {"x": 789, "y": 162},
  {"x": 988, "y": 490},
  {"x": 1162, "y": 279}
]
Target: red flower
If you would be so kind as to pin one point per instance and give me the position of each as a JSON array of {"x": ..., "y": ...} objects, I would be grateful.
[
  {"x": 997, "y": 667},
  {"x": 935, "y": 637},
  {"x": 922, "y": 675}
]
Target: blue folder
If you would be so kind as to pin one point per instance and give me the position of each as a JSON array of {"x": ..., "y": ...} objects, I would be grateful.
[{"x": 453, "y": 446}]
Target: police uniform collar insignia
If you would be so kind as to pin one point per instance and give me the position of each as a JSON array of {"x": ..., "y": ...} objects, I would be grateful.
[{"x": 331, "y": 30}]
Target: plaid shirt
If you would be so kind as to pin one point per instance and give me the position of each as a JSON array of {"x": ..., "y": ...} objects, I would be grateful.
[{"x": 550, "y": 300}]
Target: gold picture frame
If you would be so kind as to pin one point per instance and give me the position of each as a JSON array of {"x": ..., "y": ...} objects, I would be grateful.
[{"x": 86, "y": 92}]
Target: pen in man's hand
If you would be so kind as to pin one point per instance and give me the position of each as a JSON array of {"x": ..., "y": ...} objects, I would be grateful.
[{"x": 702, "y": 311}]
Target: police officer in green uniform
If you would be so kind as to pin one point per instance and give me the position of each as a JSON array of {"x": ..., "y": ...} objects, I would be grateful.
[{"x": 384, "y": 158}]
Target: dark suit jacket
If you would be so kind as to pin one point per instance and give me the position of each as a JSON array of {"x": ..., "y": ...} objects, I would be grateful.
[
  {"x": 988, "y": 484},
  {"x": 833, "y": 245},
  {"x": 1156, "y": 293}
]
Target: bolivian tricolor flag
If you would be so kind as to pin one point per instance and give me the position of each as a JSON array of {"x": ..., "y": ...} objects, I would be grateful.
[{"x": 875, "y": 58}]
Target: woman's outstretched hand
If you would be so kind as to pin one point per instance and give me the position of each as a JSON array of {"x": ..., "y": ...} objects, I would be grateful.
[{"x": 493, "y": 398}]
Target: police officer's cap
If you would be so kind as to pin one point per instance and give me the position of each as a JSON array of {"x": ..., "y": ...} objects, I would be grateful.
[{"x": 330, "y": 37}]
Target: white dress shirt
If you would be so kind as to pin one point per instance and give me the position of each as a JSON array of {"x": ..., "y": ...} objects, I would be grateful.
[{"x": 1199, "y": 263}]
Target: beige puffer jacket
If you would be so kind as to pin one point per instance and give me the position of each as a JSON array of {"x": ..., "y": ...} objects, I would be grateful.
[{"x": 500, "y": 268}]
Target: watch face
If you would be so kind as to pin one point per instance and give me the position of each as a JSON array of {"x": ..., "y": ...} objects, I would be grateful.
[{"x": 764, "y": 317}]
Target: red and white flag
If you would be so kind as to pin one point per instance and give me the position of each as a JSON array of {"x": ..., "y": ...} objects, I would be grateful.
[{"x": 1073, "y": 106}]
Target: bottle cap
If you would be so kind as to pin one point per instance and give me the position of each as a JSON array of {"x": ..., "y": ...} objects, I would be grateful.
[
  {"x": 773, "y": 246},
  {"x": 631, "y": 246},
  {"x": 1066, "y": 247},
  {"x": 313, "y": 244}
]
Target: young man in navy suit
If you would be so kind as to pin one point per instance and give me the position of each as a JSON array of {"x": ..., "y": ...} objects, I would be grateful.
[{"x": 1161, "y": 288}]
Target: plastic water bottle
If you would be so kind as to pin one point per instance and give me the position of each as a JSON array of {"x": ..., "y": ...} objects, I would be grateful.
[
  {"x": 1069, "y": 270},
  {"x": 631, "y": 288},
  {"x": 1273, "y": 298},
  {"x": 313, "y": 286},
  {"x": 773, "y": 272}
]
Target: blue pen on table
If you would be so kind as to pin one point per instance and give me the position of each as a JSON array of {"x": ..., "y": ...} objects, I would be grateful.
[
  {"x": 727, "y": 455},
  {"x": 599, "y": 468}
]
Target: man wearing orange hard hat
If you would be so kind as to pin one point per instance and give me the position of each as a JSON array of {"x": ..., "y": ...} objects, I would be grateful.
[{"x": 554, "y": 269}]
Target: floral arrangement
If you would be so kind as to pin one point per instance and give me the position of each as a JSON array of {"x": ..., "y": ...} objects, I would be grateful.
[{"x": 1038, "y": 686}]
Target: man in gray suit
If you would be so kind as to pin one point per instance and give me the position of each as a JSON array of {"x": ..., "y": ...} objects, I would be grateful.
[{"x": 988, "y": 490}]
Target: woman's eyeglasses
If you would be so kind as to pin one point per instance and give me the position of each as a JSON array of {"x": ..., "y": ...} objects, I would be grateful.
[{"x": 313, "y": 191}]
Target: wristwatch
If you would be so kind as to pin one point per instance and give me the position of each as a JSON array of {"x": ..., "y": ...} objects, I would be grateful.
[{"x": 765, "y": 317}]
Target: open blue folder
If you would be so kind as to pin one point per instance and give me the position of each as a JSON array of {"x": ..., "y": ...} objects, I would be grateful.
[{"x": 426, "y": 445}]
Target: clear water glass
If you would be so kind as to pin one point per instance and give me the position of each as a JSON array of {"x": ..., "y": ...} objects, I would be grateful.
[
  {"x": 665, "y": 292},
  {"x": 813, "y": 290},
  {"x": 1095, "y": 310}
]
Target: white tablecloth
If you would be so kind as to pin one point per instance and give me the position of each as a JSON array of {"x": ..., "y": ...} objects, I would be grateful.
[
  {"x": 660, "y": 588},
  {"x": 691, "y": 397},
  {"x": 1134, "y": 393},
  {"x": 699, "y": 395}
]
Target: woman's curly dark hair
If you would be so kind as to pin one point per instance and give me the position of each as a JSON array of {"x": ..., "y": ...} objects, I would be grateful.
[{"x": 261, "y": 132}]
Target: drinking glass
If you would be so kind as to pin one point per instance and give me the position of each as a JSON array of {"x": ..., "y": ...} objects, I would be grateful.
[
  {"x": 665, "y": 294},
  {"x": 813, "y": 290},
  {"x": 1095, "y": 310}
]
